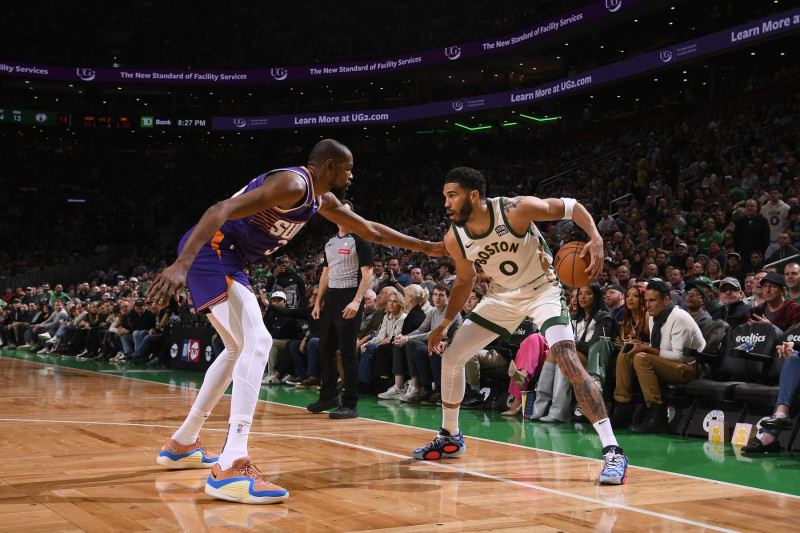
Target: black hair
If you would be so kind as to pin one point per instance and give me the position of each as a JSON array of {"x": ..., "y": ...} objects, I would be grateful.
[
  {"x": 468, "y": 178},
  {"x": 659, "y": 286},
  {"x": 327, "y": 149},
  {"x": 599, "y": 304}
]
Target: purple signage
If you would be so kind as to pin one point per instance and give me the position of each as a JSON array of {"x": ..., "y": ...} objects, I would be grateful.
[
  {"x": 550, "y": 28},
  {"x": 788, "y": 21}
]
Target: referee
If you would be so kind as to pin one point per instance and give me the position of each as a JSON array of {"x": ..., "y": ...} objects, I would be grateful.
[{"x": 346, "y": 274}]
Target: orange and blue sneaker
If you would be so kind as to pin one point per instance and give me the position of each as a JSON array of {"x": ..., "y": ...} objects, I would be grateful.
[
  {"x": 243, "y": 483},
  {"x": 615, "y": 468},
  {"x": 444, "y": 446},
  {"x": 177, "y": 456}
]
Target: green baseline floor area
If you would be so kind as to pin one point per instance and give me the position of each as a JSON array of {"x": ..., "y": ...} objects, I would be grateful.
[{"x": 669, "y": 453}]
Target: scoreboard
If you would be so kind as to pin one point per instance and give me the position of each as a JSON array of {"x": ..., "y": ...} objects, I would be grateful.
[
  {"x": 106, "y": 122},
  {"x": 38, "y": 117},
  {"x": 33, "y": 116}
]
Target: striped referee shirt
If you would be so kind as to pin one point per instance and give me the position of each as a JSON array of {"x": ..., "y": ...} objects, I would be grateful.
[{"x": 344, "y": 257}]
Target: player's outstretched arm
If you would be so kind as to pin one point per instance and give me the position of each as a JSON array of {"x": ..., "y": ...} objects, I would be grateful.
[
  {"x": 373, "y": 231},
  {"x": 459, "y": 293},
  {"x": 283, "y": 189}
]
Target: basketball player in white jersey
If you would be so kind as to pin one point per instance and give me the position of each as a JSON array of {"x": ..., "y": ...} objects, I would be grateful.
[{"x": 500, "y": 235}]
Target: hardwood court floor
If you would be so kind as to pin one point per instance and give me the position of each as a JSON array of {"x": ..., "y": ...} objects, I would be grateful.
[{"x": 79, "y": 452}]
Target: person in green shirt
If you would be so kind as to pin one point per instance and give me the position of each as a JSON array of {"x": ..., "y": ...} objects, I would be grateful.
[
  {"x": 58, "y": 294},
  {"x": 260, "y": 273},
  {"x": 709, "y": 234}
]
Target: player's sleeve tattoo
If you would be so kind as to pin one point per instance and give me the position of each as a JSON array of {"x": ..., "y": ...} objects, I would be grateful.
[{"x": 586, "y": 391}]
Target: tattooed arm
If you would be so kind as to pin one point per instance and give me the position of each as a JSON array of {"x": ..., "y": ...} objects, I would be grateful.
[
  {"x": 586, "y": 391},
  {"x": 522, "y": 210}
]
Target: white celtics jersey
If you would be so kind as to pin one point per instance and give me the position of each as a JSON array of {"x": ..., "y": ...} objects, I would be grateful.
[{"x": 512, "y": 260}]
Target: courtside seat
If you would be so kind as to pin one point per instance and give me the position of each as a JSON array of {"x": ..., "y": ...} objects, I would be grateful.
[
  {"x": 715, "y": 396},
  {"x": 760, "y": 398}
]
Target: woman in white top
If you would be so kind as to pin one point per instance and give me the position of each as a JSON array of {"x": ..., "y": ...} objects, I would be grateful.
[{"x": 390, "y": 327}]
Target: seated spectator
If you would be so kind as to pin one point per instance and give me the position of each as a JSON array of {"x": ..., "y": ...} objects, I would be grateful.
[
  {"x": 662, "y": 360},
  {"x": 18, "y": 327},
  {"x": 304, "y": 351},
  {"x": 78, "y": 346},
  {"x": 378, "y": 269},
  {"x": 713, "y": 270},
  {"x": 677, "y": 284},
  {"x": 370, "y": 308},
  {"x": 615, "y": 300},
  {"x": 526, "y": 364},
  {"x": 391, "y": 326},
  {"x": 123, "y": 330},
  {"x": 734, "y": 310},
  {"x": 791, "y": 274},
  {"x": 696, "y": 302},
  {"x": 784, "y": 251},
  {"x": 756, "y": 297},
  {"x": 787, "y": 393},
  {"x": 425, "y": 369},
  {"x": 776, "y": 309},
  {"x": 283, "y": 329},
  {"x": 149, "y": 345},
  {"x": 592, "y": 323},
  {"x": 635, "y": 321},
  {"x": 393, "y": 277},
  {"x": 40, "y": 315},
  {"x": 143, "y": 320},
  {"x": 61, "y": 339},
  {"x": 377, "y": 319},
  {"x": 285, "y": 280},
  {"x": 702, "y": 282},
  {"x": 393, "y": 359},
  {"x": 733, "y": 267},
  {"x": 12, "y": 316},
  {"x": 47, "y": 329},
  {"x": 99, "y": 335}
]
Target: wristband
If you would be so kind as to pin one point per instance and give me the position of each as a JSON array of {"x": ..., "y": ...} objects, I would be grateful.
[{"x": 569, "y": 204}]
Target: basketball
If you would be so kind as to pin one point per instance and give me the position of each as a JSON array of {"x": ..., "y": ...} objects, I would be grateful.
[{"x": 570, "y": 266}]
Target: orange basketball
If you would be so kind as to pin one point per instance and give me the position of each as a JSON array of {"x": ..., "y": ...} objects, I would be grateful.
[{"x": 570, "y": 266}]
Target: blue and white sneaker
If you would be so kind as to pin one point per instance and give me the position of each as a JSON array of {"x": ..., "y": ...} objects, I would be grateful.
[
  {"x": 176, "y": 456},
  {"x": 243, "y": 483},
  {"x": 444, "y": 446},
  {"x": 615, "y": 471}
]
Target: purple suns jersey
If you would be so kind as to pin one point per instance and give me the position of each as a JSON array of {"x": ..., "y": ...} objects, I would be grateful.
[
  {"x": 262, "y": 233},
  {"x": 220, "y": 261}
]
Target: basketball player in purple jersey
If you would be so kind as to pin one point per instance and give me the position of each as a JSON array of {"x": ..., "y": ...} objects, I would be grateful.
[{"x": 256, "y": 221}]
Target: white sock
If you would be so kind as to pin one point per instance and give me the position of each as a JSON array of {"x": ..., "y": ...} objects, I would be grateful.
[
  {"x": 606, "y": 432},
  {"x": 450, "y": 419},
  {"x": 190, "y": 429},
  {"x": 235, "y": 445}
]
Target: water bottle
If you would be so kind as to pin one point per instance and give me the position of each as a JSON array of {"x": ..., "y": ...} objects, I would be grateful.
[{"x": 747, "y": 346}]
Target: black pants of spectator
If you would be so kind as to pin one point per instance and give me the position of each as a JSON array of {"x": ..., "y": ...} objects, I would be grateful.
[
  {"x": 429, "y": 368},
  {"x": 336, "y": 332},
  {"x": 110, "y": 345},
  {"x": 78, "y": 341},
  {"x": 95, "y": 339},
  {"x": 18, "y": 333},
  {"x": 404, "y": 358},
  {"x": 383, "y": 364}
]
